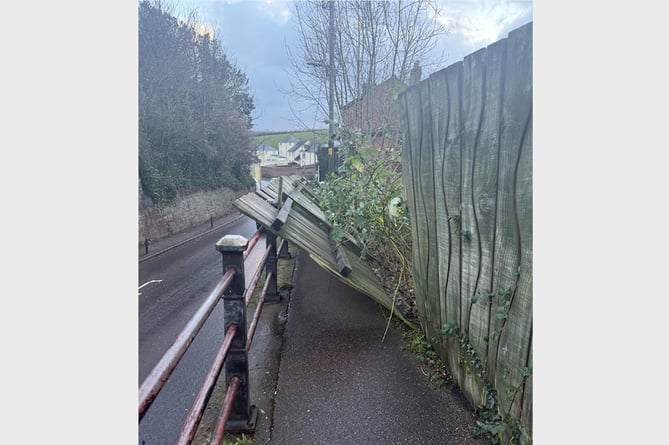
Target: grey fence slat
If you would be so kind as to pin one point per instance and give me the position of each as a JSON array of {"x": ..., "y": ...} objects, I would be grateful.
[
  {"x": 473, "y": 89},
  {"x": 484, "y": 189},
  {"x": 427, "y": 197},
  {"x": 440, "y": 125},
  {"x": 281, "y": 218},
  {"x": 411, "y": 177},
  {"x": 451, "y": 184},
  {"x": 514, "y": 341}
]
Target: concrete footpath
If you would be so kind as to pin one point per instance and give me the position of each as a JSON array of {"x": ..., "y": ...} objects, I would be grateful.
[{"x": 338, "y": 383}]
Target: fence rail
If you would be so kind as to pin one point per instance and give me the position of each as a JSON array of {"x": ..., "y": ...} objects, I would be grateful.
[{"x": 236, "y": 415}]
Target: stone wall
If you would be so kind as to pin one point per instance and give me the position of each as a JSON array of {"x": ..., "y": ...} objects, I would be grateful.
[{"x": 156, "y": 222}]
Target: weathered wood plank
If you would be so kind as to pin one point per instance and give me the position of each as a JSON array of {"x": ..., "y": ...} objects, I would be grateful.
[
  {"x": 484, "y": 196},
  {"x": 451, "y": 171},
  {"x": 281, "y": 218},
  {"x": 473, "y": 88},
  {"x": 445, "y": 118},
  {"x": 411, "y": 109},
  {"x": 426, "y": 192},
  {"x": 343, "y": 264},
  {"x": 515, "y": 192},
  {"x": 440, "y": 124}
]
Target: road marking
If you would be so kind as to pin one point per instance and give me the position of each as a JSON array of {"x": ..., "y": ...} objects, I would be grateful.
[{"x": 147, "y": 283}]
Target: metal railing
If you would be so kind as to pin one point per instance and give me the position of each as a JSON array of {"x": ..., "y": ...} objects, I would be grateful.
[{"x": 236, "y": 414}]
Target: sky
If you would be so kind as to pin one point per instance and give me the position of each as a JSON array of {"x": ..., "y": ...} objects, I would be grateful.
[{"x": 254, "y": 35}]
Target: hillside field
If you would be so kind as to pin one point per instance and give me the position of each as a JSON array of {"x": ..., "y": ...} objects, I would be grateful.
[{"x": 321, "y": 136}]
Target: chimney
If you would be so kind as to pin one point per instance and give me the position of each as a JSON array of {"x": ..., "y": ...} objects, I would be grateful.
[{"x": 415, "y": 74}]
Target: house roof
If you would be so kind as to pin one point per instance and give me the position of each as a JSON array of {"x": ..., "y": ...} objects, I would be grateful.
[
  {"x": 266, "y": 148},
  {"x": 297, "y": 145}
]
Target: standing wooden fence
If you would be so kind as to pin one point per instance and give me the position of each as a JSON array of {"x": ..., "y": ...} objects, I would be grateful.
[{"x": 467, "y": 167}]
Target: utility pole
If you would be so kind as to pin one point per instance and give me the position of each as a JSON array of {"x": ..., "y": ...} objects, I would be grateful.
[{"x": 331, "y": 159}]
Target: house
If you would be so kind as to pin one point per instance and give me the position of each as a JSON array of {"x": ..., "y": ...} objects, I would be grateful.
[
  {"x": 286, "y": 144},
  {"x": 303, "y": 153},
  {"x": 266, "y": 152},
  {"x": 376, "y": 112},
  {"x": 292, "y": 151}
]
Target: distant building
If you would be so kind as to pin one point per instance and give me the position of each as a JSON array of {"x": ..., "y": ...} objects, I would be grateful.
[
  {"x": 266, "y": 152},
  {"x": 303, "y": 153},
  {"x": 376, "y": 112},
  {"x": 286, "y": 144}
]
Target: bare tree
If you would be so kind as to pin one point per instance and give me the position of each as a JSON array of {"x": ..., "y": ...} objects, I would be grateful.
[{"x": 374, "y": 42}]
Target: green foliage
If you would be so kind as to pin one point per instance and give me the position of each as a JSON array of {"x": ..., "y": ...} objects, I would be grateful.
[
  {"x": 194, "y": 109},
  {"x": 157, "y": 186},
  {"x": 242, "y": 440},
  {"x": 434, "y": 368},
  {"x": 449, "y": 329},
  {"x": 494, "y": 421},
  {"x": 365, "y": 203}
]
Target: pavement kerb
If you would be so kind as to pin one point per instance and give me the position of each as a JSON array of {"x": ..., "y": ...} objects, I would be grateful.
[{"x": 193, "y": 238}]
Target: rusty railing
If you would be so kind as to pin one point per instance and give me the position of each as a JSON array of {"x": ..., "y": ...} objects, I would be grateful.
[{"x": 237, "y": 415}]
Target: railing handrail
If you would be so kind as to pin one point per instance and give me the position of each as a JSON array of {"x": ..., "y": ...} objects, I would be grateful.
[
  {"x": 158, "y": 376},
  {"x": 256, "y": 314},
  {"x": 248, "y": 293},
  {"x": 195, "y": 414},
  {"x": 229, "y": 289},
  {"x": 226, "y": 408},
  {"x": 252, "y": 243}
]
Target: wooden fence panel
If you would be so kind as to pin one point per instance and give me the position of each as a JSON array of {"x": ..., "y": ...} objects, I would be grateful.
[{"x": 467, "y": 168}]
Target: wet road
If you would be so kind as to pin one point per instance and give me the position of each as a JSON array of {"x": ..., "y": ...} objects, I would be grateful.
[{"x": 173, "y": 287}]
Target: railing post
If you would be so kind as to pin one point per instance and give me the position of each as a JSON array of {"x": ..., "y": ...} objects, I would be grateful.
[
  {"x": 242, "y": 416},
  {"x": 271, "y": 267}
]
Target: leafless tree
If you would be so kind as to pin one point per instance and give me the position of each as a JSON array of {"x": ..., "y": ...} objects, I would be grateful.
[{"x": 374, "y": 42}]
